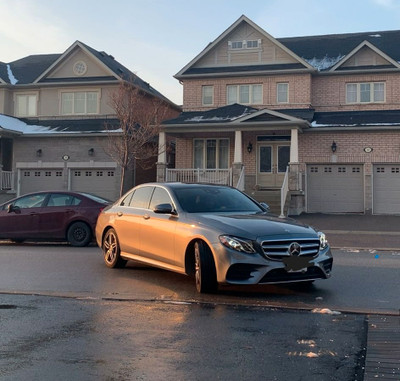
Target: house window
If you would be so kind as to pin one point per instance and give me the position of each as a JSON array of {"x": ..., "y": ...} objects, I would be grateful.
[
  {"x": 208, "y": 95},
  {"x": 211, "y": 153},
  {"x": 366, "y": 92},
  {"x": 246, "y": 44},
  {"x": 80, "y": 102},
  {"x": 26, "y": 105},
  {"x": 282, "y": 92},
  {"x": 244, "y": 94}
]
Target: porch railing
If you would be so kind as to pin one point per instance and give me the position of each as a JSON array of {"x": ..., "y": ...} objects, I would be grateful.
[
  {"x": 284, "y": 192},
  {"x": 191, "y": 175},
  {"x": 6, "y": 180}
]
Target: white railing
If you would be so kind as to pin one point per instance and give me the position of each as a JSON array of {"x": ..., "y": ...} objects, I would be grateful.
[
  {"x": 6, "y": 180},
  {"x": 240, "y": 183},
  {"x": 191, "y": 175},
  {"x": 284, "y": 192}
]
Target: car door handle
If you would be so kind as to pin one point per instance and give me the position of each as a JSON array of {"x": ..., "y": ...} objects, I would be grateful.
[
  {"x": 146, "y": 216},
  {"x": 120, "y": 214}
]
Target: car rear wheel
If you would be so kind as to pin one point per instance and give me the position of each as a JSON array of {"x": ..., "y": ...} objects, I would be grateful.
[
  {"x": 112, "y": 251},
  {"x": 205, "y": 274},
  {"x": 79, "y": 234}
]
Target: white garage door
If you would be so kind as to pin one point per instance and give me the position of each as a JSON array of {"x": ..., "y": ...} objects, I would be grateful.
[
  {"x": 99, "y": 181},
  {"x": 335, "y": 188},
  {"x": 33, "y": 180},
  {"x": 386, "y": 189}
]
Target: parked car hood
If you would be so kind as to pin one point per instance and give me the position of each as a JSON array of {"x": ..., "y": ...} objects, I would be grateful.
[{"x": 255, "y": 225}]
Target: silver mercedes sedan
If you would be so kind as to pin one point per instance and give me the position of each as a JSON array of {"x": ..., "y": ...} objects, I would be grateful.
[{"x": 215, "y": 233}]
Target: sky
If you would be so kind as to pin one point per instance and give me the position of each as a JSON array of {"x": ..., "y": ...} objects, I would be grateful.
[{"x": 157, "y": 38}]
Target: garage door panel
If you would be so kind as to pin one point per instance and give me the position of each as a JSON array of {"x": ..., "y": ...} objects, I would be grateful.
[
  {"x": 335, "y": 188},
  {"x": 34, "y": 180},
  {"x": 386, "y": 189},
  {"x": 100, "y": 181}
]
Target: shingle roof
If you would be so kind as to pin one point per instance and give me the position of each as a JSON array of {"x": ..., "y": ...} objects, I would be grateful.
[
  {"x": 339, "y": 45},
  {"x": 217, "y": 115},
  {"x": 76, "y": 126},
  {"x": 227, "y": 114},
  {"x": 28, "y": 69}
]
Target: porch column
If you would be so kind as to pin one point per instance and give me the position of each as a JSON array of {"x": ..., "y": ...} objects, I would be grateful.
[
  {"x": 162, "y": 158},
  {"x": 238, "y": 156},
  {"x": 237, "y": 159},
  {"x": 294, "y": 146},
  {"x": 295, "y": 178}
]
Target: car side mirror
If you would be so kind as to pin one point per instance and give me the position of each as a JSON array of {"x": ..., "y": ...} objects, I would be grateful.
[
  {"x": 164, "y": 209},
  {"x": 265, "y": 207},
  {"x": 13, "y": 209}
]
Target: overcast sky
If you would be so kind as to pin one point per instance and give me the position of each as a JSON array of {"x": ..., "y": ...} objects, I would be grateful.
[{"x": 156, "y": 38}]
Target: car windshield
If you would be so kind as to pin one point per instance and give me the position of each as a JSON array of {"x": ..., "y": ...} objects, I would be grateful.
[{"x": 214, "y": 199}]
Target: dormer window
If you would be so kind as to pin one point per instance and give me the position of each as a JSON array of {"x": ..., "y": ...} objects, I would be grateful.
[{"x": 245, "y": 44}]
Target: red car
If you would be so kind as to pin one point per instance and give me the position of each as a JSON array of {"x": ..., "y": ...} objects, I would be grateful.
[{"x": 51, "y": 216}]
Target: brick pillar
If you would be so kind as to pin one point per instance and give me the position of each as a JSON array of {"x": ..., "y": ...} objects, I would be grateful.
[{"x": 161, "y": 172}]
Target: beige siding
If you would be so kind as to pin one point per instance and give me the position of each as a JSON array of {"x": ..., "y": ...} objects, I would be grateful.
[
  {"x": 65, "y": 69},
  {"x": 221, "y": 55},
  {"x": 365, "y": 57}
]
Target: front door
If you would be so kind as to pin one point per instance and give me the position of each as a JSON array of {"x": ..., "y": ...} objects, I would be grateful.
[{"x": 272, "y": 161}]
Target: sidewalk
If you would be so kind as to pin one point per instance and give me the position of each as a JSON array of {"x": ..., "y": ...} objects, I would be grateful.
[{"x": 357, "y": 230}]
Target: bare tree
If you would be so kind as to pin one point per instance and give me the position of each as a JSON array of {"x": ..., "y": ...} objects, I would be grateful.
[{"x": 140, "y": 116}]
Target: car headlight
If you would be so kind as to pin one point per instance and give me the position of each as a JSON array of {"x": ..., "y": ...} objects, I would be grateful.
[
  {"x": 323, "y": 242},
  {"x": 238, "y": 244}
]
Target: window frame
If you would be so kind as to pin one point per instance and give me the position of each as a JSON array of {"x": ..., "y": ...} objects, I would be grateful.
[
  {"x": 204, "y": 96},
  {"x": 75, "y": 94},
  {"x": 26, "y": 96},
  {"x": 205, "y": 153},
  {"x": 278, "y": 92},
  {"x": 251, "y": 93},
  {"x": 373, "y": 92}
]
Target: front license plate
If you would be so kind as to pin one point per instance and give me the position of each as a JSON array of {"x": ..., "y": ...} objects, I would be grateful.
[{"x": 295, "y": 264}]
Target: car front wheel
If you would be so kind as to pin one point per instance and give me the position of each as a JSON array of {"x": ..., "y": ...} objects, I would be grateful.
[
  {"x": 112, "y": 251},
  {"x": 205, "y": 274},
  {"x": 79, "y": 234}
]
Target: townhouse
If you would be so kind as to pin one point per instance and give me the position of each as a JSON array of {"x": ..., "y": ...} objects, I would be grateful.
[
  {"x": 56, "y": 119},
  {"x": 307, "y": 124}
]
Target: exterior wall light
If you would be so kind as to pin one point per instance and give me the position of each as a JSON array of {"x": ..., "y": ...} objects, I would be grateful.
[
  {"x": 249, "y": 147},
  {"x": 39, "y": 152},
  {"x": 333, "y": 147},
  {"x": 91, "y": 152}
]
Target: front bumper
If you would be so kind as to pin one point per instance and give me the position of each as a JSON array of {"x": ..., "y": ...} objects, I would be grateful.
[{"x": 240, "y": 268}]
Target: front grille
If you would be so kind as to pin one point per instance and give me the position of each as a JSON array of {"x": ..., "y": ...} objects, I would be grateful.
[{"x": 279, "y": 249}]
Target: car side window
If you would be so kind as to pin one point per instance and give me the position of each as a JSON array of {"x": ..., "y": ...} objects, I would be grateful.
[
  {"x": 127, "y": 199},
  {"x": 30, "y": 201},
  {"x": 60, "y": 199},
  {"x": 160, "y": 196},
  {"x": 141, "y": 197}
]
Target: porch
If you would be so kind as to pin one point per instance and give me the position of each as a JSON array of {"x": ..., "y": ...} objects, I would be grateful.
[{"x": 277, "y": 199}]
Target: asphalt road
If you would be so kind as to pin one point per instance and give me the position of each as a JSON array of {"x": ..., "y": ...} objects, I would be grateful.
[
  {"x": 362, "y": 281},
  {"x": 65, "y": 316}
]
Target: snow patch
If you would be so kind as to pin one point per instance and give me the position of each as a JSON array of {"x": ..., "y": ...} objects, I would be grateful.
[
  {"x": 11, "y": 77},
  {"x": 14, "y": 124},
  {"x": 324, "y": 62}
]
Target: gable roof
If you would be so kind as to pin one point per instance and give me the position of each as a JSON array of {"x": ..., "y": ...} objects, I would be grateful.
[
  {"x": 325, "y": 51},
  {"x": 320, "y": 53},
  {"x": 34, "y": 68},
  {"x": 189, "y": 70}
]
